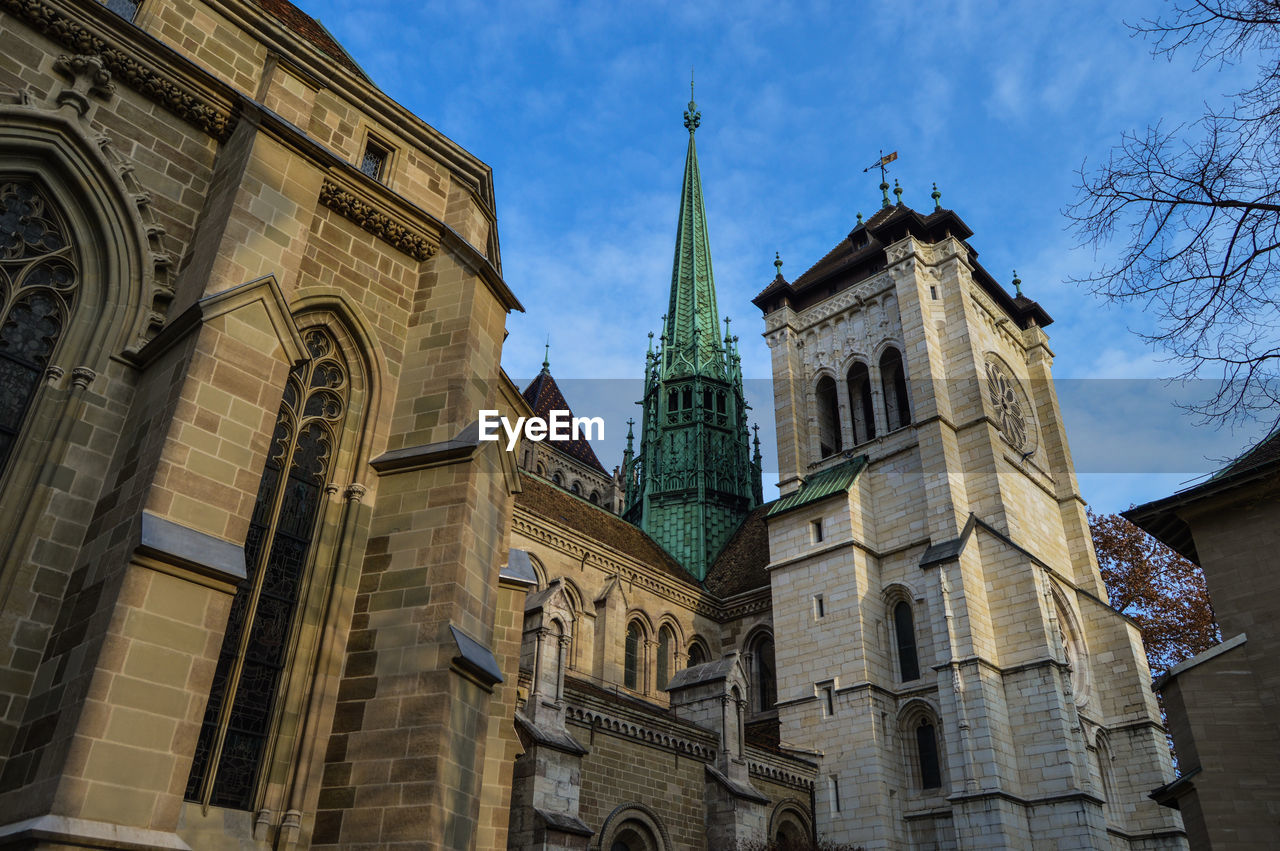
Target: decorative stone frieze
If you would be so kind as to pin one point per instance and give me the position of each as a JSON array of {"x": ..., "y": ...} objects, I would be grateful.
[
  {"x": 385, "y": 228},
  {"x": 213, "y": 119}
]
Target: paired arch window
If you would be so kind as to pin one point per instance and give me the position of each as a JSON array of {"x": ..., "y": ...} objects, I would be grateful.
[
  {"x": 764, "y": 679},
  {"x": 829, "y": 438},
  {"x": 39, "y": 280},
  {"x": 897, "y": 406},
  {"x": 904, "y": 631},
  {"x": 633, "y": 656},
  {"x": 864, "y": 414},
  {"x": 230, "y": 751}
]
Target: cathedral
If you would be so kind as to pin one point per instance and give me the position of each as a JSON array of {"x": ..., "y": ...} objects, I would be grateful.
[{"x": 263, "y": 585}]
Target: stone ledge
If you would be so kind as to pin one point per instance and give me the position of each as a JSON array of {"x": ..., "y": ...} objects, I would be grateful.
[{"x": 84, "y": 833}]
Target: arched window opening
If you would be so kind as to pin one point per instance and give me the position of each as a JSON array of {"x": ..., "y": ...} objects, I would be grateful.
[
  {"x": 927, "y": 754},
  {"x": 594, "y": 498},
  {"x": 905, "y": 631},
  {"x": 897, "y": 407},
  {"x": 697, "y": 654},
  {"x": 632, "y": 656},
  {"x": 864, "y": 414},
  {"x": 666, "y": 660},
  {"x": 763, "y": 674},
  {"x": 633, "y": 836},
  {"x": 542, "y": 470},
  {"x": 557, "y": 478},
  {"x": 229, "y": 753},
  {"x": 39, "y": 279},
  {"x": 829, "y": 440},
  {"x": 673, "y": 400},
  {"x": 576, "y": 488}
]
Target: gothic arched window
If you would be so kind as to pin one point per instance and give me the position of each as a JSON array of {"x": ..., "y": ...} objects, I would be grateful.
[
  {"x": 927, "y": 755},
  {"x": 864, "y": 413},
  {"x": 829, "y": 442},
  {"x": 897, "y": 407},
  {"x": 38, "y": 282},
  {"x": 666, "y": 655},
  {"x": 632, "y": 656},
  {"x": 904, "y": 630},
  {"x": 230, "y": 751},
  {"x": 764, "y": 678}
]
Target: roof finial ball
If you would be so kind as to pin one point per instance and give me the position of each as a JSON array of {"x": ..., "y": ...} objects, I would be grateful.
[
  {"x": 1017, "y": 283},
  {"x": 897, "y": 190},
  {"x": 777, "y": 262},
  {"x": 937, "y": 197}
]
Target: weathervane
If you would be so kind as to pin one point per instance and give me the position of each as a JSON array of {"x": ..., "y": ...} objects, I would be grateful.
[{"x": 882, "y": 164}]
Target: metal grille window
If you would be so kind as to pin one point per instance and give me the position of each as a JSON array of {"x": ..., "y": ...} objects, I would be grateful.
[
  {"x": 237, "y": 722},
  {"x": 39, "y": 279},
  {"x": 374, "y": 162},
  {"x": 127, "y": 9}
]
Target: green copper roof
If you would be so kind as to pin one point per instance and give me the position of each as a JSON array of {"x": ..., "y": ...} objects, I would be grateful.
[
  {"x": 835, "y": 480},
  {"x": 692, "y": 329}
]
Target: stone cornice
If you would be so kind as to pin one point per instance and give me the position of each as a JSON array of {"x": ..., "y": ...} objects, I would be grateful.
[
  {"x": 622, "y": 721},
  {"x": 777, "y": 768},
  {"x": 391, "y": 231},
  {"x": 180, "y": 98}
]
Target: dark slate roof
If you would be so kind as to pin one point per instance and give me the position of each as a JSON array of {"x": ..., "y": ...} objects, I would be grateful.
[
  {"x": 861, "y": 254},
  {"x": 546, "y": 500},
  {"x": 544, "y": 396},
  {"x": 310, "y": 30},
  {"x": 831, "y": 481},
  {"x": 741, "y": 565},
  {"x": 1161, "y": 518}
]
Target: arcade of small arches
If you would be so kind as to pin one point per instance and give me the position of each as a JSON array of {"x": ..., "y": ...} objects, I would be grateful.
[{"x": 876, "y": 400}]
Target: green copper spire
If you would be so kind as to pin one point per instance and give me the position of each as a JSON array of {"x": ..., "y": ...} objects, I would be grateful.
[
  {"x": 692, "y": 479},
  {"x": 692, "y": 316}
]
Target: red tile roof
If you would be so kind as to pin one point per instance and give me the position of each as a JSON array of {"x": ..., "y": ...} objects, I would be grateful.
[
  {"x": 740, "y": 566},
  {"x": 544, "y": 396},
  {"x": 309, "y": 29},
  {"x": 546, "y": 500}
]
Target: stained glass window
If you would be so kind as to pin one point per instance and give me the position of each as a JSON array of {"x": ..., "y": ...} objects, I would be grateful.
[
  {"x": 631, "y": 657},
  {"x": 255, "y": 648},
  {"x": 38, "y": 286}
]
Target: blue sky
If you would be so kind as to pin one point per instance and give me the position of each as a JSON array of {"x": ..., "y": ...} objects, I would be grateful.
[{"x": 577, "y": 107}]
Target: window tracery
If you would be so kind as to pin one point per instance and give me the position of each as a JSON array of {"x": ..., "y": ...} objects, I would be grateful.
[
  {"x": 229, "y": 753},
  {"x": 1008, "y": 401},
  {"x": 39, "y": 282}
]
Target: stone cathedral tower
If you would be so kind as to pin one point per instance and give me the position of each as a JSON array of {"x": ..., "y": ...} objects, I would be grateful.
[
  {"x": 694, "y": 478},
  {"x": 942, "y": 632}
]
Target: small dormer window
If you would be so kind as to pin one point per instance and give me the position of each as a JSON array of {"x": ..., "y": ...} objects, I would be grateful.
[
  {"x": 374, "y": 162},
  {"x": 127, "y": 9}
]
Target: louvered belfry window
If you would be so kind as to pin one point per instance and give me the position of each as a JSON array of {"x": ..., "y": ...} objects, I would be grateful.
[
  {"x": 39, "y": 280},
  {"x": 237, "y": 723}
]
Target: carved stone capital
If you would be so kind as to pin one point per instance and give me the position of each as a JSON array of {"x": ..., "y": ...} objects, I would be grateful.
[
  {"x": 82, "y": 377},
  {"x": 355, "y": 492}
]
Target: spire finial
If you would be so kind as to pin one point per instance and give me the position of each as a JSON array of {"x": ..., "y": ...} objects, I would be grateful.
[
  {"x": 692, "y": 118},
  {"x": 897, "y": 190},
  {"x": 882, "y": 164},
  {"x": 884, "y": 189},
  {"x": 546, "y": 357},
  {"x": 936, "y": 196},
  {"x": 777, "y": 262},
  {"x": 859, "y": 217},
  {"x": 1017, "y": 283}
]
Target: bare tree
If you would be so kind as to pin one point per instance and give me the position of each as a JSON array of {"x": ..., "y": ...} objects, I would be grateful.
[{"x": 1195, "y": 211}]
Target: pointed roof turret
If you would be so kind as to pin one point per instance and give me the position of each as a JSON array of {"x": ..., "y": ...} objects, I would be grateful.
[
  {"x": 692, "y": 317},
  {"x": 544, "y": 396}
]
